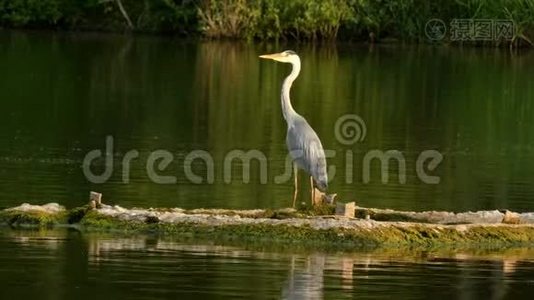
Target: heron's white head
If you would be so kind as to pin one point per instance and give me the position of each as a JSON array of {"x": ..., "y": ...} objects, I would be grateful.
[{"x": 288, "y": 56}]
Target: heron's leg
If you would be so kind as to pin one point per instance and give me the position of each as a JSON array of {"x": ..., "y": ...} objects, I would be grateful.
[
  {"x": 312, "y": 191},
  {"x": 295, "y": 174}
]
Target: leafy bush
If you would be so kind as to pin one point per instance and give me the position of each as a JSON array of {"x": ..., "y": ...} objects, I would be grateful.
[
  {"x": 30, "y": 12},
  {"x": 229, "y": 18},
  {"x": 271, "y": 19},
  {"x": 266, "y": 19}
]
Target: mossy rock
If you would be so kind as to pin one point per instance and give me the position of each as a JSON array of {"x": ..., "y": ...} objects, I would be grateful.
[
  {"x": 75, "y": 215},
  {"x": 17, "y": 218},
  {"x": 360, "y": 233}
]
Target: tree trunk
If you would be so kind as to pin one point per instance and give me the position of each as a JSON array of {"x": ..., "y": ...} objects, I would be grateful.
[{"x": 124, "y": 14}]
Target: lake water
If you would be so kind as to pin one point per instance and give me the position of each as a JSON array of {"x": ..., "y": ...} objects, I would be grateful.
[
  {"x": 69, "y": 265},
  {"x": 62, "y": 95}
]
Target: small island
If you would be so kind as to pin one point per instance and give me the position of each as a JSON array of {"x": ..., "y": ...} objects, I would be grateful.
[{"x": 318, "y": 225}]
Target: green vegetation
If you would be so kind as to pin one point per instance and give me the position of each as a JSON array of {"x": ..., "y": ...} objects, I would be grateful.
[
  {"x": 385, "y": 235},
  {"x": 110, "y": 15},
  {"x": 31, "y": 218},
  {"x": 267, "y": 19}
]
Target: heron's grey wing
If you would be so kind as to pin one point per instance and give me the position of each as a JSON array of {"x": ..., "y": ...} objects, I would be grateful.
[{"x": 307, "y": 151}]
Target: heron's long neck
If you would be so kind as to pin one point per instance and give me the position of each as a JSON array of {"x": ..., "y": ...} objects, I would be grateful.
[{"x": 287, "y": 108}]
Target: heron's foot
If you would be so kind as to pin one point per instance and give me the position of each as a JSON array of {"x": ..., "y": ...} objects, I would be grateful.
[{"x": 323, "y": 198}]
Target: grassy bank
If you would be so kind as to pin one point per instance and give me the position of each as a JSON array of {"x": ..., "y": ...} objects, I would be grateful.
[{"x": 359, "y": 20}]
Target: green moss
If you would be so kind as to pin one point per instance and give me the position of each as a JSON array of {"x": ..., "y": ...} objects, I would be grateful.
[
  {"x": 416, "y": 235},
  {"x": 31, "y": 218},
  {"x": 95, "y": 221},
  {"x": 75, "y": 215},
  {"x": 385, "y": 235},
  {"x": 318, "y": 210}
]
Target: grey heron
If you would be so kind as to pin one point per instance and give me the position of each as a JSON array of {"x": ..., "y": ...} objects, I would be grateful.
[{"x": 302, "y": 142}]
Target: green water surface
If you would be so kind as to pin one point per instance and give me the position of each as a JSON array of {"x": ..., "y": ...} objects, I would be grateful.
[{"x": 62, "y": 94}]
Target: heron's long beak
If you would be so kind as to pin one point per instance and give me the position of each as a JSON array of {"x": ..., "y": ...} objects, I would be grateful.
[{"x": 274, "y": 56}]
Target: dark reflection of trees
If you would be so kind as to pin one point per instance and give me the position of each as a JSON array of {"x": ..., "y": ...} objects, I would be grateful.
[{"x": 76, "y": 267}]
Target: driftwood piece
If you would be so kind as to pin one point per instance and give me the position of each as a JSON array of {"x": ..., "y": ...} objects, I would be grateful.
[
  {"x": 435, "y": 217},
  {"x": 95, "y": 200},
  {"x": 345, "y": 209}
]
